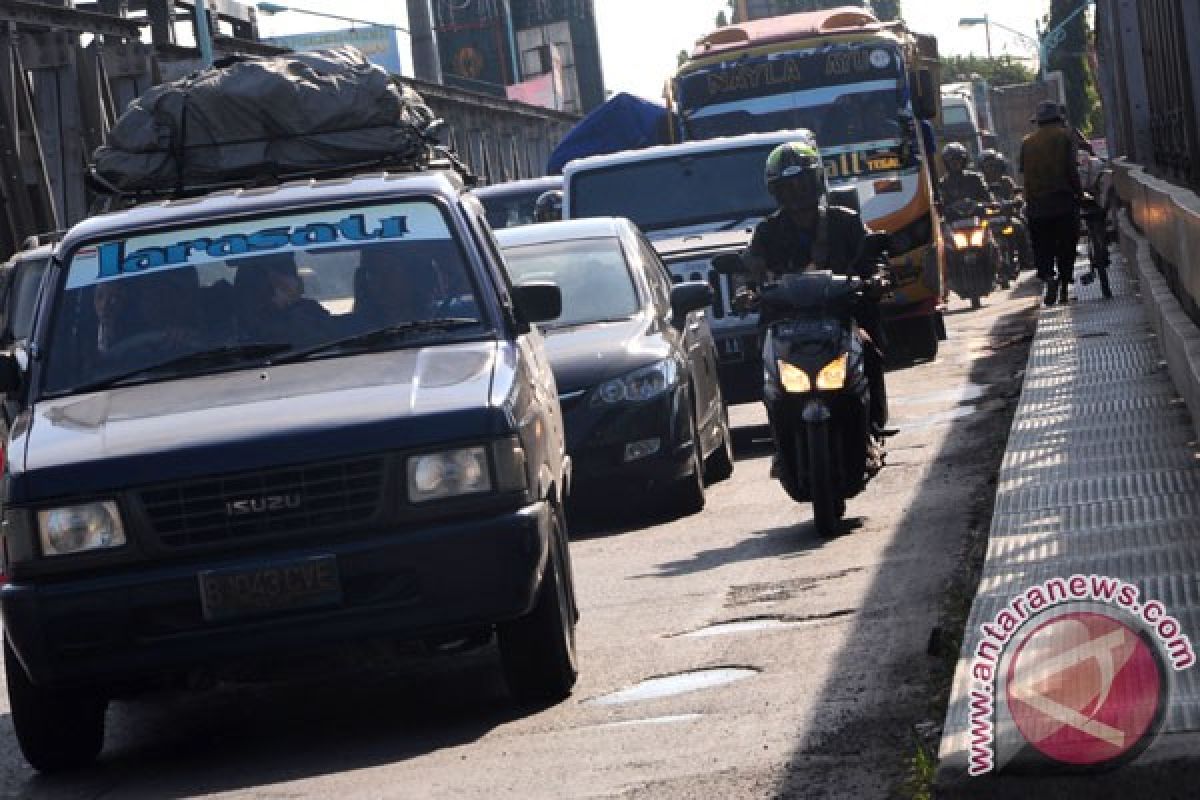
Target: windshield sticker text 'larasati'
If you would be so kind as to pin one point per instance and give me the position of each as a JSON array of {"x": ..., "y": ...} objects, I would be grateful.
[{"x": 112, "y": 259}]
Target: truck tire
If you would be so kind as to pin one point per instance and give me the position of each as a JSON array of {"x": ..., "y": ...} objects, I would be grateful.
[
  {"x": 537, "y": 651},
  {"x": 57, "y": 730}
]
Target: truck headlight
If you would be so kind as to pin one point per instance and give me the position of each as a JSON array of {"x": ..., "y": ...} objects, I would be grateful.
[
  {"x": 78, "y": 529},
  {"x": 451, "y": 473},
  {"x": 833, "y": 375},
  {"x": 638, "y": 386},
  {"x": 793, "y": 378}
]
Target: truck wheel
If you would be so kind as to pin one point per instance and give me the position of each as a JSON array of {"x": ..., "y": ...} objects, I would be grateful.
[
  {"x": 57, "y": 730},
  {"x": 537, "y": 651},
  {"x": 828, "y": 504},
  {"x": 720, "y": 463}
]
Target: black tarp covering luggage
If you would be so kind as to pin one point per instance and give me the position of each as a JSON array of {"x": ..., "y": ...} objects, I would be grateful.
[{"x": 261, "y": 117}]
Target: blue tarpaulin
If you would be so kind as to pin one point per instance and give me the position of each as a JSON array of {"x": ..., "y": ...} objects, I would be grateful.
[{"x": 625, "y": 122}]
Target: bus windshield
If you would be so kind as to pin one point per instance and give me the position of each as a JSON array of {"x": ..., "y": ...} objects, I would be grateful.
[{"x": 846, "y": 94}]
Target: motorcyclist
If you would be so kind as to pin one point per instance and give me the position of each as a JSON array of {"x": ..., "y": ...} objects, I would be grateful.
[
  {"x": 960, "y": 184},
  {"x": 807, "y": 233},
  {"x": 548, "y": 207},
  {"x": 996, "y": 172}
]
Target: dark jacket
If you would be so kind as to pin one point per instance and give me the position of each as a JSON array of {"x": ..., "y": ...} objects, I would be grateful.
[
  {"x": 836, "y": 243},
  {"x": 1048, "y": 162},
  {"x": 967, "y": 184}
]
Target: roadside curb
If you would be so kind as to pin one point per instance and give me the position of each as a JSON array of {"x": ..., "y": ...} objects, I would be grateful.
[{"x": 1179, "y": 336}]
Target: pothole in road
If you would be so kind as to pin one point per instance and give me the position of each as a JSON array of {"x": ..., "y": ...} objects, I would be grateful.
[
  {"x": 756, "y": 624},
  {"x": 671, "y": 685},
  {"x": 757, "y": 593}
]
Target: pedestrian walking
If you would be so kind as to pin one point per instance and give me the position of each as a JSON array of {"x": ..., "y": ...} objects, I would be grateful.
[{"x": 1053, "y": 194}]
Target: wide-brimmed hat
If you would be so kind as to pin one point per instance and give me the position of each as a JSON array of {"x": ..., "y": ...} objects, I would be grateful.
[{"x": 1047, "y": 111}]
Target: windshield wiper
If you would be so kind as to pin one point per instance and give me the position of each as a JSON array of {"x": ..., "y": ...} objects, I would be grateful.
[
  {"x": 581, "y": 323},
  {"x": 383, "y": 335},
  {"x": 225, "y": 354}
]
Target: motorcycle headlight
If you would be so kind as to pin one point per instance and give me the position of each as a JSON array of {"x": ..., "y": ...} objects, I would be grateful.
[
  {"x": 78, "y": 529},
  {"x": 451, "y": 473},
  {"x": 793, "y": 378},
  {"x": 638, "y": 386},
  {"x": 961, "y": 242},
  {"x": 833, "y": 375},
  {"x": 977, "y": 236}
]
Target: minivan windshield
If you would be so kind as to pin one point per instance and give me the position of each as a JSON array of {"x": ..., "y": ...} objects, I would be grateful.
[
  {"x": 592, "y": 274},
  {"x": 680, "y": 191},
  {"x": 221, "y": 296}
]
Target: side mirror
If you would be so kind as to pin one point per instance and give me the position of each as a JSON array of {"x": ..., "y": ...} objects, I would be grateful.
[
  {"x": 729, "y": 264},
  {"x": 10, "y": 373},
  {"x": 538, "y": 301},
  {"x": 925, "y": 101},
  {"x": 690, "y": 296}
]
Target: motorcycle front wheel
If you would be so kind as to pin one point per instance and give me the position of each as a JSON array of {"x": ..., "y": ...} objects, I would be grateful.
[{"x": 828, "y": 504}]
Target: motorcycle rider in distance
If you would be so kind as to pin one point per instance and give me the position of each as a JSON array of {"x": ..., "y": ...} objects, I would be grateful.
[
  {"x": 994, "y": 167},
  {"x": 960, "y": 183},
  {"x": 996, "y": 172},
  {"x": 548, "y": 207},
  {"x": 806, "y": 233}
]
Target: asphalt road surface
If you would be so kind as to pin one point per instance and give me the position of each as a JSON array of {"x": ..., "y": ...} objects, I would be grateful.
[{"x": 814, "y": 692}]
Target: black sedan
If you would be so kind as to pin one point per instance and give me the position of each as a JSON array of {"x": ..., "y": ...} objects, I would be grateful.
[{"x": 633, "y": 357}]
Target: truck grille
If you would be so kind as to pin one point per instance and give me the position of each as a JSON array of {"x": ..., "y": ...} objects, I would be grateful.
[{"x": 294, "y": 500}]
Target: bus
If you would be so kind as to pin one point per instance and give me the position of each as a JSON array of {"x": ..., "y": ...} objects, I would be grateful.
[{"x": 868, "y": 90}]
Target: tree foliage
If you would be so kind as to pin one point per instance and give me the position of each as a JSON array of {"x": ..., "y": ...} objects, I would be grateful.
[
  {"x": 1002, "y": 71},
  {"x": 1070, "y": 55}
]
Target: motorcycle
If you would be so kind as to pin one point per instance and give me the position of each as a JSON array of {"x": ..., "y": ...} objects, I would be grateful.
[
  {"x": 1009, "y": 234},
  {"x": 971, "y": 257},
  {"x": 816, "y": 388}
]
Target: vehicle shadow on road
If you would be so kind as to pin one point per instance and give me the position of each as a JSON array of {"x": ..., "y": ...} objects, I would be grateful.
[
  {"x": 783, "y": 543},
  {"x": 233, "y": 738},
  {"x": 944, "y": 525}
]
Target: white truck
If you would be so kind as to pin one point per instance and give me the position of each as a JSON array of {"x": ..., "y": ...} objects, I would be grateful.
[{"x": 693, "y": 201}]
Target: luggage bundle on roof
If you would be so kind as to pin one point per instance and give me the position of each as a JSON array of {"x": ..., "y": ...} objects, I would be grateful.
[{"x": 255, "y": 119}]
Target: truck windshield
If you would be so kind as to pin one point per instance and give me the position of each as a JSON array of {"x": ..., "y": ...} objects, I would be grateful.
[
  {"x": 721, "y": 186},
  {"x": 167, "y": 304},
  {"x": 845, "y": 94}
]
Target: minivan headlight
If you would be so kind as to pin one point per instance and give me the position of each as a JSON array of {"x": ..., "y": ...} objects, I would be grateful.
[
  {"x": 450, "y": 473},
  {"x": 78, "y": 529},
  {"x": 638, "y": 386}
]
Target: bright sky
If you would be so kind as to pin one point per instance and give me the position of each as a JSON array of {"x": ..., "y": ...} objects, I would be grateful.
[{"x": 639, "y": 39}]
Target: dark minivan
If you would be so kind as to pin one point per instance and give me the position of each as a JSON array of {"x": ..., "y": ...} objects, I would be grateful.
[{"x": 273, "y": 421}]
